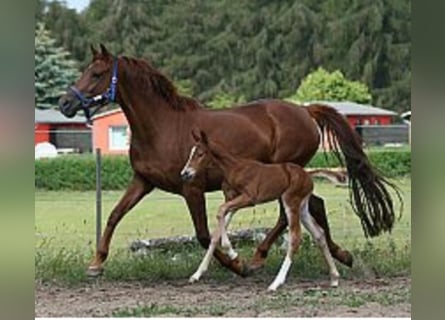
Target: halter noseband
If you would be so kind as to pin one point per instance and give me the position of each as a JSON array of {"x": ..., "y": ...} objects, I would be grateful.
[{"x": 99, "y": 100}]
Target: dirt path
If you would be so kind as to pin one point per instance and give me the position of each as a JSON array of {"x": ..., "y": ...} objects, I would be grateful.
[{"x": 235, "y": 297}]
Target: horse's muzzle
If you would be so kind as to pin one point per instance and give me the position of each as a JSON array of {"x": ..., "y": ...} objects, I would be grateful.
[{"x": 67, "y": 108}]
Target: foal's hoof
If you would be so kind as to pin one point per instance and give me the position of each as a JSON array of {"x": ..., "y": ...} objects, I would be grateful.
[
  {"x": 193, "y": 279},
  {"x": 94, "y": 272}
]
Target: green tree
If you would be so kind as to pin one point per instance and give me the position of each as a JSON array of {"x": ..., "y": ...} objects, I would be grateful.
[
  {"x": 323, "y": 85},
  {"x": 53, "y": 71},
  {"x": 224, "y": 100}
]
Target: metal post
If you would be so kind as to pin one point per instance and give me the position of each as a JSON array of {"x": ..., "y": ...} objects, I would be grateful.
[{"x": 98, "y": 198}]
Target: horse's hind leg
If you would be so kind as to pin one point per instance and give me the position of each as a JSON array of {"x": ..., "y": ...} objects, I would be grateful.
[
  {"x": 317, "y": 234},
  {"x": 292, "y": 207},
  {"x": 136, "y": 190},
  {"x": 318, "y": 212}
]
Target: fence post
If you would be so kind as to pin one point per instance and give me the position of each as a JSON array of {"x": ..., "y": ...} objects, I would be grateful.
[{"x": 98, "y": 197}]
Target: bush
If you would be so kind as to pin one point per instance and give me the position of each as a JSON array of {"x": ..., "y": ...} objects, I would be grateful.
[
  {"x": 75, "y": 172},
  {"x": 391, "y": 163},
  {"x": 78, "y": 172}
]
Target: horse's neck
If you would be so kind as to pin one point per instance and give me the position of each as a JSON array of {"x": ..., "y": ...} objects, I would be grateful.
[{"x": 148, "y": 117}]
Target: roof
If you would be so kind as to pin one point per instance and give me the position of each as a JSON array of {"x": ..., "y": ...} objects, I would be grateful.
[
  {"x": 352, "y": 108},
  {"x": 55, "y": 116}
]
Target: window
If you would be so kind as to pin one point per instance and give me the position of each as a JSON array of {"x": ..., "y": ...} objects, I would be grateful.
[{"x": 118, "y": 137}]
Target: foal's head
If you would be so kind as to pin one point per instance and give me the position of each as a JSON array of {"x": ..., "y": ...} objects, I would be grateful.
[{"x": 199, "y": 157}]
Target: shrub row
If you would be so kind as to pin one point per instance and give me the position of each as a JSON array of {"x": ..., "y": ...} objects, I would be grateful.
[
  {"x": 77, "y": 172},
  {"x": 391, "y": 162}
]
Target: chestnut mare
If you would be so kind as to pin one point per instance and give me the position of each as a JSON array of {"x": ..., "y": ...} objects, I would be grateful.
[
  {"x": 270, "y": 131},
  {"x": 247, "y": 182}
]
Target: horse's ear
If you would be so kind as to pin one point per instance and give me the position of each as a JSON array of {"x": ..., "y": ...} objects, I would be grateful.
[
  {"x": 93, "y": 50},
  {"x": 104, "y": 51}
]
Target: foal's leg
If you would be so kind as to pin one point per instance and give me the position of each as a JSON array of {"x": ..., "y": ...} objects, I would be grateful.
[
  {"x": 233, "y": 205},
  {"x": 136, "y": 190},
  {"x": 225, "y": 241},
  {"x": 262, "y": 250},
  {"x": 317, "y": 234},
  {"x": 318, "y": 212},
  {"x": 293, "y": 208},
  {"x": 229, "y": 194},
  {"x": 197, "y": 206}
]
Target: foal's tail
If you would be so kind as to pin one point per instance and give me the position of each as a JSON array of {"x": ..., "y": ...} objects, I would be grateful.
[
  {"x": 339, "y": 177},
  {"x": 369, "y": 195}
]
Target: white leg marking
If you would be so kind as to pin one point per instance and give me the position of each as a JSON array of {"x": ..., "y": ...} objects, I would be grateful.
[
  {"x": 285, "y": 266},
  {"x": 204, "y": 263},
  {"x": 282, "y": 274},
  {"x": 225, "y": 241},
  {"x": 317, "y": 234}
]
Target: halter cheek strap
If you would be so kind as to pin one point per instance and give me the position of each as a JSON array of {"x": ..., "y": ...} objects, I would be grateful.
[{"x": 99, "y": 100}]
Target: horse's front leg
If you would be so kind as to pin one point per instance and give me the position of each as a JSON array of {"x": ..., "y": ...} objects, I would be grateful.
[
  {"x": 195, "y": 200},
  {"x": 136, "y": 190}
]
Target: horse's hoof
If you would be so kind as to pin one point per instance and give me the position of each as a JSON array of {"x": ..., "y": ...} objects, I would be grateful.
[
  {"x": 346, "y": 258},
  {"x": 245, "y": 270},
  {"x": 94, "y": 272},
  {"x": 253, "y": 267},
  {"x": 193, "y": 279}
]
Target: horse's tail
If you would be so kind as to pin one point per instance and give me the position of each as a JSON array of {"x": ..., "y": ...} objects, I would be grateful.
[{"x": 369, "y": 195}]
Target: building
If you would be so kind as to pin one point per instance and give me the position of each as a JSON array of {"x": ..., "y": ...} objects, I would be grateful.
[
  {"x": 111, "y": 132},
  {"x": 66, "y": 134},
  {"x": 361, "y": 114},
  {"x": 374, "y": 125}
]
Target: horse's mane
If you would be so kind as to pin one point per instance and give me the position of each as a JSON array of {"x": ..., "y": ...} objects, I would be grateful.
[{"x": 141, "y": 72}]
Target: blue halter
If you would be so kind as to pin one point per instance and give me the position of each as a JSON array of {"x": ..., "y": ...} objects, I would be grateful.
[{"x": 99, "y": 100}]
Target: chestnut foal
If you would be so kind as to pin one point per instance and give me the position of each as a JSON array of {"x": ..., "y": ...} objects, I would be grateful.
[{"x": 249, "y": 182}]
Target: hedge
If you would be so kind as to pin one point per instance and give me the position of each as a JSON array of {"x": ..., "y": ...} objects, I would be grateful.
[{"x": 77, "y": 172}]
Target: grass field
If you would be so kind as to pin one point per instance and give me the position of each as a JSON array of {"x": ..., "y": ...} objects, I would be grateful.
[
  {"x": 68, "y": 218},
  {"x": 65, "y": 238}
]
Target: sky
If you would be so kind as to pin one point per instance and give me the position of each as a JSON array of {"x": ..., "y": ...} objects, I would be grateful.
[{"x": 79, "y": 5}]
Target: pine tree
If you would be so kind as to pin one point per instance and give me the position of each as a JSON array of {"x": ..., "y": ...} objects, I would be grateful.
[{"x": 53, "y": 71}]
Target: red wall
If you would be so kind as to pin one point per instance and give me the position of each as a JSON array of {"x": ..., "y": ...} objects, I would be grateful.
[
  {"x": 101, "y": 127},
  {"x": 41, "y": 132},
  {"x": 382, "y": 120}
]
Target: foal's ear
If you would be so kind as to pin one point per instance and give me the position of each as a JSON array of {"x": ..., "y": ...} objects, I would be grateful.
[
  {"x": 196, "y": 134},
  {"x": 204, "y": 138}
]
